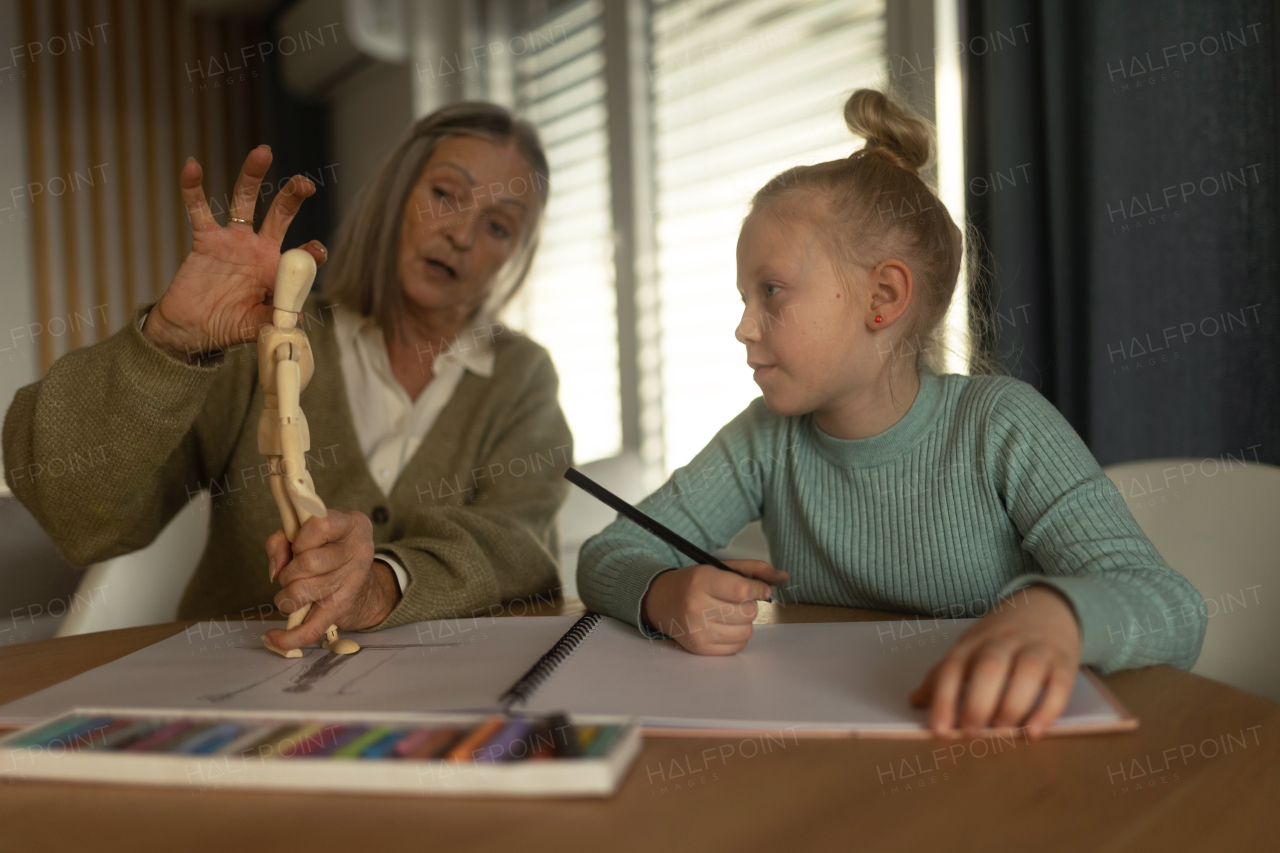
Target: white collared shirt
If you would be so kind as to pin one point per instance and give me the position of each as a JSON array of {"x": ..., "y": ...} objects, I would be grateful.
[{"x": 389, "y": 425}]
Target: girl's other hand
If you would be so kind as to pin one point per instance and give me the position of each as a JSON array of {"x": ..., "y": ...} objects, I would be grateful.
[
  {"x": 1028, "y": 641},
  {"x": 218, "y": 296},
  {"x": 708, "y": 610}
]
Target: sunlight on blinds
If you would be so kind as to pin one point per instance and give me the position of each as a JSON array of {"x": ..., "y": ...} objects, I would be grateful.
[
  {"x": 950, "y": 96},
  {"x": 742, "y": 90},
  {"x": 568, "y": 304}
]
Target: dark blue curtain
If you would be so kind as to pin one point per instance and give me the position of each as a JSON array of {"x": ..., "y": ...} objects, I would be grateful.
[{"x": 1121, "y": 163}]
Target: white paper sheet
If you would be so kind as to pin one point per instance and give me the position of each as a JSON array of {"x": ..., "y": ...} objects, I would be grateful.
[
  {"x": 838, "y": 675},
  {"x": 454, "y": 664},
  {"x": 854, "y": 675}
]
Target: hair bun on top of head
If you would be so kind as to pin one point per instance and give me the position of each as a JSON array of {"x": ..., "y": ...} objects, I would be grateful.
[{"x": 890, "y": 128}]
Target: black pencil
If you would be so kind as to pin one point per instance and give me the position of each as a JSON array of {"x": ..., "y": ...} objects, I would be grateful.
[{"x": 666, "y": 534}]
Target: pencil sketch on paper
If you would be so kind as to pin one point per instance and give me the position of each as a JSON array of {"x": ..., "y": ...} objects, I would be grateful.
[{"x": 318, "y": 668}]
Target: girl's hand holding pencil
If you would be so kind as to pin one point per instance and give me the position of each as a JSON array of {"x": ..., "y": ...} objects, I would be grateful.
[
  {"x": 708, "y": 610},
  {"x": 992, "y": 676}
]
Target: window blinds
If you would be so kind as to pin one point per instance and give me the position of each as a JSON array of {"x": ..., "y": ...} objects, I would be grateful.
[
  {"x": 742, "y": 90},
  {"x": 568, "y": 304}
]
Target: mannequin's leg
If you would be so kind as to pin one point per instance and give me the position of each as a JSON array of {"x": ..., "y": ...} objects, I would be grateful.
[
  {"x": 290, "y": 522},
  {"x": 293, "y": 464},
  {"x": 288, "y": 518}
]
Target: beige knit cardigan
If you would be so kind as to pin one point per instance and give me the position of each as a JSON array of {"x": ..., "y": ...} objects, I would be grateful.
[{"x": 118, "y": 436}]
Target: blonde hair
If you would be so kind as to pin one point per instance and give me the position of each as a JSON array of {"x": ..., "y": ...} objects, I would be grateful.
[
  {"x": 875, "y": 206},
  {"x": 363, "y": 271}
]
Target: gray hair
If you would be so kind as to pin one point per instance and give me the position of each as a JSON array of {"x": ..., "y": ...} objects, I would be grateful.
[{"x": 363, "y": 271}]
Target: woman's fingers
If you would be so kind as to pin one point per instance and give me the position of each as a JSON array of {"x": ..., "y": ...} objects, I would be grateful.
[
  {"x": 317, "y": 621},
  {"x": 245, "y": 196},
  {"x": 284, "y": 207},
  {"x": 278, "y": 553},
  {"x": 314, "y": 563},
  {"x": 317, "y": 250},
  {"x": 317, "y": 531},
  {"x": 193, "y": 196}
]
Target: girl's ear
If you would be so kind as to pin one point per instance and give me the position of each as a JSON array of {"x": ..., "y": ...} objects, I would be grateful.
[{"x": 891, "y": 287}]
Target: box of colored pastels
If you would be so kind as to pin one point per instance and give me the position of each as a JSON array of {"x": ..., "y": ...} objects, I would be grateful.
[{"x": 466, "y": 754}]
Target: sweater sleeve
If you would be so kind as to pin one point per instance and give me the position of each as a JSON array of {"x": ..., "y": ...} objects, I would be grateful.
[
  {"x": 707, "y": 502},
  {"x": 492, "y": 537},
  {"x": 1133, "y": 609},
  {"x": 102, "y": 450}
]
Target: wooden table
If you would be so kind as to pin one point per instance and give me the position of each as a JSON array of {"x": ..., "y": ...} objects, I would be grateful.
[{"x": 1177, "y": 783}]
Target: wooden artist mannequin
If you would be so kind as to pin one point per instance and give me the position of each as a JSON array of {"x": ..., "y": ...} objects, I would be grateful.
[{"x": 285, "y": 366}]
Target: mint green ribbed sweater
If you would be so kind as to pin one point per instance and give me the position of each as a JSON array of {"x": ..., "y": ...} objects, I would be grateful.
[{"x": 982, "y": 488}]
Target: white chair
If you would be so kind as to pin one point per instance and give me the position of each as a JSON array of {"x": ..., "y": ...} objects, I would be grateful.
[
  {"x": 583, "y": 516},
  {"x": 142, "y": 588},
  {"x": 1218, "y": 524}
]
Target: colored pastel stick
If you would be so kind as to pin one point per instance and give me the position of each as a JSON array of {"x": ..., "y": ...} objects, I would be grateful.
[
  {"x": 49, "y": 732},
  {"x": 121, "y": 738},
  {"x": 315, "y": 742},
  {"x": 341, "y": 738},
  {"x": 412, "y": 741},
  {"x": 361, "y": 743},
  {"x": 81, "y": 735},
  {"x": 438, "y": 744},
  {"x": 159, "y": 736},
  {"x": 541, "y": 740},
  {"x": 383, "y": 747},
  {"x": 208, "y": 740},
  {"x": 100, "y": 738},
  {"x": 586, "y": 734},
  {"x": 287, "y": 734},
  {"x": 498, "y": 748},
  {"x": 252, "y": 738},
  {"x": 68, "y": 737},
  {"x": 604, "y": 741},
  {"x": 479, "y": 735},
  {"x": 564, "y": 736},
  {"x": 294, "y": 739},
  {"x": 169, "y": 744}
]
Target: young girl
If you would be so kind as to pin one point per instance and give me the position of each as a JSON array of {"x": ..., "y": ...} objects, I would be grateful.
[{"x": 882, "y": 483}]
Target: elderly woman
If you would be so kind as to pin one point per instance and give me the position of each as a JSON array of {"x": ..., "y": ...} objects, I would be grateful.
[{"x": 437, "y": 441}]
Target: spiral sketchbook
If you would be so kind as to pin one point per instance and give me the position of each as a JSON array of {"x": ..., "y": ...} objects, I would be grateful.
[{"x": 835, "y": 679}]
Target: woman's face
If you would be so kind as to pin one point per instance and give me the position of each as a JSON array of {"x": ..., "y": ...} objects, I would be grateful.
[{"x": 463, "y": 220}]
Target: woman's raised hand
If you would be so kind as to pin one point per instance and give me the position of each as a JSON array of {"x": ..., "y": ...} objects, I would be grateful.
[{"x": 219, "y": 296}]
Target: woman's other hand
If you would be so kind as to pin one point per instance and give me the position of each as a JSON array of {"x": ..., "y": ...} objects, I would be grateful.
[
  {"x": 216, "y": 299},
  {"x": 330, "y": 565},
  {"x": 708, "y": 610},
  {"x": 996, "y": 670}
]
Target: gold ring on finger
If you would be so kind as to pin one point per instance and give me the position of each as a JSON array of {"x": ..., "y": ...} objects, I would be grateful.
[{"x": 248, "y": 222}]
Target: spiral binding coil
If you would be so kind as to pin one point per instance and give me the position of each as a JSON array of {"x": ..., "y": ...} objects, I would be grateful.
[{"x": 550, "y": 662}]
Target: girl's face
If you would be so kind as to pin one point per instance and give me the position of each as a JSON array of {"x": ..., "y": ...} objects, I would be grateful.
[
  {"x": 462, "y": 221},
  {"x": 805, "y": 330}
]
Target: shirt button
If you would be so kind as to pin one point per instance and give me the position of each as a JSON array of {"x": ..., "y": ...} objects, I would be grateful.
[
  {"x": 384, "y": 472},
  {"x": 380, "y": 515}
]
